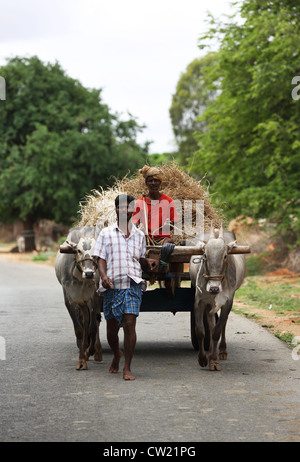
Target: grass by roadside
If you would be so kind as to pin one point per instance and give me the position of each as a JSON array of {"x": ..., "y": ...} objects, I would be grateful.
[
  {"x": 273, "y": 302},
  {"x": 46, "y": 257}
]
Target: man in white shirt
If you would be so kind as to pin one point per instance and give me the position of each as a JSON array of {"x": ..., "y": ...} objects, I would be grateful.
[{"x": 120, "y": 250}]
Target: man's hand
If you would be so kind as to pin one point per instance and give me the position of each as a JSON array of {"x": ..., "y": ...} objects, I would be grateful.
[
  {"x": 106, "y": 282},
  {"x": 152, "y": 264},
  {"x": 149, "y": 264}
]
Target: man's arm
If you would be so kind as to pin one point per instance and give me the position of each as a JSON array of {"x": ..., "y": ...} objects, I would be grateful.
[
  {"x": 106, "y": 282},
  {"x": 147, "y": 264}
]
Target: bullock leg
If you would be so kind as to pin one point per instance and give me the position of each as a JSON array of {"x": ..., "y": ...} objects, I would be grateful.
[
  {"x": 216, "y": 330},
  {"x": 98, "y": 347},
  {"x": 82, "y": 364},
  {"x": 95, "y": 347},
  {"x": 199, "y": 308},
  {"x": 223, "y": 347},
  {"x": 214, "y": 338},
  {"x": 76, "y": 323}
]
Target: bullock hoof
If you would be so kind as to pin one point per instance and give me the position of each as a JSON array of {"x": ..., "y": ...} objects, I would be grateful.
[
  {"x": 222, "y": 355},
  {"x": 214, "y": 366},
  {"x": 98, "y": 356},
  {"x": 82, "y": 365},
  {"x": 90, "y": 352},
  {"x": 202, "y": 360}
]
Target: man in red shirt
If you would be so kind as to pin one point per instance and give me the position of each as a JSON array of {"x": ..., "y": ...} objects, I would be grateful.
[{"x": 155, "y": 211}]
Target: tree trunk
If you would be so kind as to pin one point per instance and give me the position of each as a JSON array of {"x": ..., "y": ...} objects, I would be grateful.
[{"x": 29, "y": 236}]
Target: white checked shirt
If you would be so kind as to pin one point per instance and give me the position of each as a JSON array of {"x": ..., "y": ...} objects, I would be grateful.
[{"x": 122, "y": 255}]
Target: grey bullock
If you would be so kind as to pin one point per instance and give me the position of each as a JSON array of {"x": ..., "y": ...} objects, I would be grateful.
[
  {"x": 78, "y": 274},
  {"x": 216, "y": 275}
]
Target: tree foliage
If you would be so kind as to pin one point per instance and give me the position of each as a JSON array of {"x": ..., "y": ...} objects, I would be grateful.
[
  {"x": 251, "y": 146},
  {"x": 188, "y": 103},
  {"x": 58, "y": 140},
  {"x": 158, "y": 159}
]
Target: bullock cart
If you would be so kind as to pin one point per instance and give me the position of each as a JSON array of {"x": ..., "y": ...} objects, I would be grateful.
[{"x": 171, "y": 296}]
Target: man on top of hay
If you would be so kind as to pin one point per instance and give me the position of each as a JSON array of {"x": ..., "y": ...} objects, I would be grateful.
[{"x": 155, "y": 211}]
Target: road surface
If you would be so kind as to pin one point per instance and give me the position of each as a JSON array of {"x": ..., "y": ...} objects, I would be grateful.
[{"x": 256, "y": 396}]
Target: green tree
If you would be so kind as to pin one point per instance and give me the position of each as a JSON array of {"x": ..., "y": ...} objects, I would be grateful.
[
  {"x": 252, "y": 143},
  {"x": 157, "y": 159},
  {"x": 192, "y": 96},
  {"x": 58, "y": 140}
]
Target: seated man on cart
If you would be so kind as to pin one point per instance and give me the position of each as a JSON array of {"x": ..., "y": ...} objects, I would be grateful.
[{"x": 156, "y": 212}]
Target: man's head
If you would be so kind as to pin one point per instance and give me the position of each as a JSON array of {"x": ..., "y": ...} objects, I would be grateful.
[
  {"x": 124, "y": 207},
  {"x": 153, "y": 177},
  {"x": 153, "y": 183}
]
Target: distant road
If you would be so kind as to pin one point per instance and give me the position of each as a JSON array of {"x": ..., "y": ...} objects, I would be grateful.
[{"x": 256, "y": 396}]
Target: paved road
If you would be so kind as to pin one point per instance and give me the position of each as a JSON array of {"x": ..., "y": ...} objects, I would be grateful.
[{"x": 256, "y": 396}]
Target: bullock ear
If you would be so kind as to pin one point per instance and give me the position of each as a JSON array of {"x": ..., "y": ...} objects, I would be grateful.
[
  {"x": 72, "y": 245},
  {"x": 230, "y": 246},
  {"x": 200, "y": 244}
]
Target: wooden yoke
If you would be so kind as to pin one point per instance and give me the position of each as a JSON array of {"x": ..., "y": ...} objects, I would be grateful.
[{"x": 182, "y": 254}]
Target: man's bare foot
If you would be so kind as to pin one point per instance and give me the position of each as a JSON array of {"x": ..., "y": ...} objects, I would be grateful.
[
  {"x": 114, "y": 367},
  {"x": 127, "y": 375}
]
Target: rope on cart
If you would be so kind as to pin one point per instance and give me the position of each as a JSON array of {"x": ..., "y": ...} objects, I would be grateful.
[{"x": 165, "y": 253}]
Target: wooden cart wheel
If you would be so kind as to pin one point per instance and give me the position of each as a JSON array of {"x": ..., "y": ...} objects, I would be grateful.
[{"x": 193, "y": 332}]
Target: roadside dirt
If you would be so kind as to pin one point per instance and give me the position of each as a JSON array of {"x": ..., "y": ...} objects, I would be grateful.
[
  {"x": 274, "y": 322},
  {"x": 25, "y": 258}
]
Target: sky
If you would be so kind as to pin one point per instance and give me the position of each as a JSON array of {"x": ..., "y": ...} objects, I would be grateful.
[{"x": 134, "y": 50}]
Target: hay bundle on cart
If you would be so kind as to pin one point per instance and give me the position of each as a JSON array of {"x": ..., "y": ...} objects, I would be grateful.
[{"x": 98, "y": 209}]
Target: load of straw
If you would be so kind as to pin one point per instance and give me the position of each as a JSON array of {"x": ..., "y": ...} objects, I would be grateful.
[{"x": 98, "y": 209}]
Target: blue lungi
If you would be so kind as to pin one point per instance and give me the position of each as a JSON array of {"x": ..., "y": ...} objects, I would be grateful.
[{"x": 117, "y": 302}]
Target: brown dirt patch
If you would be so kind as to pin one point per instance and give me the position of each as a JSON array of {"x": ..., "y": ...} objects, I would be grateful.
[
  {"x": 286, "y": 322},
  {"x": 283, "y": 272}
]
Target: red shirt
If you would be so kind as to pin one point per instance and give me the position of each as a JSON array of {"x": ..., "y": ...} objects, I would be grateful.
[{"x": 157, "y": 212}]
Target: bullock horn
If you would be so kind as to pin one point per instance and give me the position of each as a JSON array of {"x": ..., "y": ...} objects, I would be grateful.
[
  {"x": 212, "y": 233},
  {"x": 221, "y": 231}
]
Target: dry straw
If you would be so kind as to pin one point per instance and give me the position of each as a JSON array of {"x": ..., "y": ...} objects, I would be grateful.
[{"x": 98, "y": 208}]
